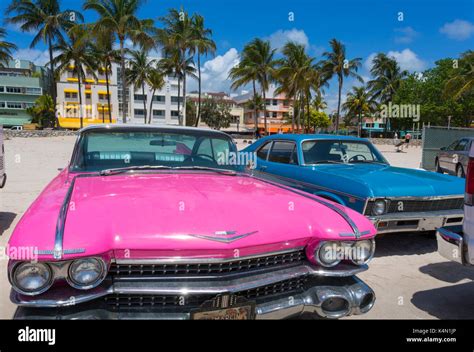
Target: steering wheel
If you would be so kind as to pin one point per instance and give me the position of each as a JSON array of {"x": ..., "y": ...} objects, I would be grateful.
[
  {"x": 356, "y": 157},
  {"x": 202, "y": 156}
]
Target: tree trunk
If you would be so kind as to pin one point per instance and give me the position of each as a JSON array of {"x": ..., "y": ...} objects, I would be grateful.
[
  {"x": 264, "y": 111},
  {"x": 124, "y": 82},
  {"x": 338, "y": 104},
  {"x": 52, "y": 80},
  {"x": 80, "y": 97},
  {"x": 198, "y": 115},
  {"x": 298, "y": 116},
  {"x": 360, "y": 124},
  {"x": 151, "y": 106},
  {"x": 255, "y": 108},
  {"x": 309, "y": 115},
  {"x": 184, "y": 100},
  {"x": 144, "y": 103},
  {"x": 108, "y": 92},
  {"x": 179, "y": 99}
]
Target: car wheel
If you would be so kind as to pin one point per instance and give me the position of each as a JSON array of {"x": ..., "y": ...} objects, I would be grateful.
[
  {"x": 437, "y": 167},
  {"x": 460, "y": 171}
]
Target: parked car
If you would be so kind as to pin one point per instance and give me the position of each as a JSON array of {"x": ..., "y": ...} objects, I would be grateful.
[
  {"x": 148, "y": 222},
  {"x": 453, "y": 159},
  {"x": 352, "y": 172},
  {"x": 456, "y": 243},
  {"x": 3, "y": 175}
]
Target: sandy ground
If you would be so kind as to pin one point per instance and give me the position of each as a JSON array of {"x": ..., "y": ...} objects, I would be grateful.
[{"x": 410, "y": 279}]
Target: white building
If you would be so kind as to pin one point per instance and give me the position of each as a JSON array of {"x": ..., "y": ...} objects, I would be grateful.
[{"x": 164, "y": 105}]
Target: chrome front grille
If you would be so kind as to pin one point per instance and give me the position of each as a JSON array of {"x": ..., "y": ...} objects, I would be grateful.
[
  {"x": 185, "y": 302},
  {"x": 212, "y": 268},
  {"x": 419, "y": 205}
]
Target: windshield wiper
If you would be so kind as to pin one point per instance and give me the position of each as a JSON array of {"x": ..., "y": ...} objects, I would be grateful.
[{"x": 119, "y": 170}]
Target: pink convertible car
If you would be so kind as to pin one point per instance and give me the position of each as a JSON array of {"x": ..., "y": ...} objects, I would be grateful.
[{"x": 163, "y": 223}]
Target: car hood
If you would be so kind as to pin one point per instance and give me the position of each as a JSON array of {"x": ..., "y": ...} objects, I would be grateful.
[
  {"x": 181, "y": 214},
  {"x": 389, "y": 181}
]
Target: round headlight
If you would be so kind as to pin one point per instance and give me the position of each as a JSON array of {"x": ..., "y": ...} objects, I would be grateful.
[
  {"x": 328, "y": 254},
  {"x": 32, "y": 278},
  {"x": 379, "y": 207},
  {"x": 86, "y": 273},
  {"x": 363, "y": 251}
]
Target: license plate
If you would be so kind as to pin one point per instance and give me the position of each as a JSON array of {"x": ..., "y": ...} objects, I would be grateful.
[{"x": 245, "y": 311}]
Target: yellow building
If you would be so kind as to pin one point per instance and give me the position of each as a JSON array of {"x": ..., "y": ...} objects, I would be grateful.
[{"x": 95, "y": 104}]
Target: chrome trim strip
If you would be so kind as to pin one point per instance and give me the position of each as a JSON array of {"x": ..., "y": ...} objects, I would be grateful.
[
  {"x": 58, "y": 241},
  {"x": 62, "y": 297},
  {"x": 353, "y": 290},
  {"x": 418, "y": 198},
  {"x": 65, "y": 251},
  {"x": 234, "y": 237},
  {"x": 184, "y": 260}
]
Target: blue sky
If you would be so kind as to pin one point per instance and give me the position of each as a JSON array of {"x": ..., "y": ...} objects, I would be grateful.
[{"x": 428, "y": 31}]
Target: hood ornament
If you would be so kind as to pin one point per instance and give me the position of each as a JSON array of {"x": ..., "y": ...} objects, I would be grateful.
[{"x": 224, "y": 236}]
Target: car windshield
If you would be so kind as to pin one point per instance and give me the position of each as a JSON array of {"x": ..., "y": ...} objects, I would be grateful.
[
  {"x": 340, "y": 151},
  {"x": 103, "y": 150}
]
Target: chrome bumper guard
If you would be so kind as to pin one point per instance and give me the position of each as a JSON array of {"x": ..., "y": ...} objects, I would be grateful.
[
  {"x": 328, "y": 297},
  {"x": 451, "y": 243},
  {"x": 417, "y": 221}
]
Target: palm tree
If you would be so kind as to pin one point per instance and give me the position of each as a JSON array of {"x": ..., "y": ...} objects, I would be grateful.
[
  {"x": 262, "y": 56},
  {"x": 177, "y": 40},
  {"x": 120, "y": 18},
  {"x": 359, "y": 102},
  {"x": 337, "y": 64},
  {"x": 48, "y": 21},
  {"x": 387, "y": 78},
  {"x": 298, "y": 77},
  {"x": 138, "y": 71},
  {"x": 174, "y": 64},
  {"x": 76, "y": 52},
  {"x": 6, "y": 48},
  {"x": 203, "y": 45},
  {"x": 104, "y": 53},
  {"x": 155, "y": 81},
  {"x": 245, "y": 73},
  {"x": 463, "y": 80}
]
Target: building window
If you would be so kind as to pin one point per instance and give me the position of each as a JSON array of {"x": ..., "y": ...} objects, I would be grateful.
[
  {"x": 139, "y": 112},
  {"x": 139, "y": 97},
  {"x": 159, "y": 98},
  {"x": 102, "y": 96},
  {"x": 274, "y": 114},
  {"x": 174, "y": 100},
  {"x": 2, "y": 104},
  {"x": 158, "y": 114},
  {"x": 174, "y": 114},
  {"x": 13, "y": 90},
  {"x": 11, "y": 105},
  {"x": 369, "y": 125},
  {"x": 70, "y": 95},
  {"x": 2, "y": 89},
  {"x": 88, "y": 95},
  {"x": 275, "y": 102},
  {"x": 381, "y": 125},
  {"x": 32, "y": 90}
]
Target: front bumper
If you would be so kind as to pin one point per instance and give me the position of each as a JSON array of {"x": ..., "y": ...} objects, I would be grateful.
[
  {"x": 451, "y": 243},
  {"x": 417, "y": 221},
  {"x": 331, "y": 298}
]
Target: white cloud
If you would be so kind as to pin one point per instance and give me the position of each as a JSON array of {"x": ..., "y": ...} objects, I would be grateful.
[
  {"x": 216, "y": 71},
  {"x": 39, "y": 57},
  {"x": 279, "y": 38},
  {"x": 458, "y": 29},
  {"x": 407, "y": 59},
  {"x": 405, "y": 35}
]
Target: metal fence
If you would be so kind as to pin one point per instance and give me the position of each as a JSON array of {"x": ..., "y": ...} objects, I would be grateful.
[{"x": 436, "y": 137}]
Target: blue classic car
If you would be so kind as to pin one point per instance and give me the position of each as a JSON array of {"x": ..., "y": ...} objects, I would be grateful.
[{"x": 352, "y": 172}]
